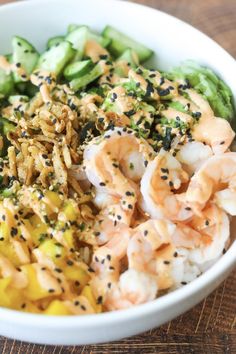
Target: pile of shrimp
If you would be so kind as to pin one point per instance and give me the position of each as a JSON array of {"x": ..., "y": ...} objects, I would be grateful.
[{"x": 163, "y": 218}]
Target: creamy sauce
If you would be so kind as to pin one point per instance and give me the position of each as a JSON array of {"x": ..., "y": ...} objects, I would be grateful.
[
  {"x": 94, "y": 50},
  {"x": 8, "y": 68}
]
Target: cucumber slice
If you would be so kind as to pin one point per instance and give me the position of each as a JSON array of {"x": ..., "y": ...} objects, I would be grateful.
[
  {"x": 25, "y": 55},
  {"x": 21, "y": 87},
  {"x": 78, "y": 69},
  {"x": 55, "y": 59},
  {"x": 131, "y": 57},
  {"x": 78, "y": 39},
  {"x": 83, "y": 81},
  {"x": 18, "y": 98},
  {"x": 54, "y": 41},
  {"x": 104, "y": 42},
  {"x": 30, "y": 89},
  {"x": 8, "y": 57},
  {"x": 80, "y": 35},
  {"x": 6, "y": 83},
  {"x": 72, "y": 27},
  {"x": 120, "y": 42}
]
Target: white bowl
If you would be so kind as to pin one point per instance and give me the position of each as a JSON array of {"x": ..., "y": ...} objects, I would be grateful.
[{"x": 173, "y": 41}]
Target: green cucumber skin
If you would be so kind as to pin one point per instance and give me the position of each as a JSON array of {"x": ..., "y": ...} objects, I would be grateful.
[
  {"x": 54, "y": 41},
  {"x": 24, "y": 54},
  {"x": 6, "y": 83},
  {"x": 120, "y": 42},
  {"x": 55, "y": 59},
  {"x": 77, "y": 69},
  {"x": 83, "y": 81}
]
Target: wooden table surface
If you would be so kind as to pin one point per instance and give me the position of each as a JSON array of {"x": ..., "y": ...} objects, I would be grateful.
[{"x": 210, "y": 327}]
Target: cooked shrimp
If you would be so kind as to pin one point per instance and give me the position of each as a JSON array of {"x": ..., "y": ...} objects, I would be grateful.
[
  {"x": 112, "y": 163},
  {"x": 212, "y": 130},
  {"x": 205, "y": 236},
  {"x": 132, "y": 289},
  {"x": 163, "y": 176},
  {"x": 192, "y": 155},
  {"x": 217, "y": 179},
  {"x": 214, "y": 227},
  {"x": 150, "y": 250}
]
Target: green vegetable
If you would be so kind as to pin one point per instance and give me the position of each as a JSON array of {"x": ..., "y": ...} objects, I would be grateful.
[
  {"x": 19, "y": 98},
  {"x": 83, "y": 81},
  {"x": 78, "y": 38},
  {"x": 24, "y": 55},
  {"x": 209, "y": 85},
  {"x": 130, "y": 57},
  {"x": 55, "y": 59},
  {"x": 178, "y": 106},
  {"x": 54, "y": 41},
  {"x": 5, "y": 128},
  {"x": 6, "y": 83},
  {"x": 120, "y": 42},
  {"x": 78, "y": 69}
]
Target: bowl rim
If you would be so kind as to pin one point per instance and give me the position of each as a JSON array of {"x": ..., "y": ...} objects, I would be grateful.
[{"x": 225, "y": 262}]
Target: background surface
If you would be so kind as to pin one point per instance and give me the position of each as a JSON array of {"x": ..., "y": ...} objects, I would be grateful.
[{"x": 210, "y": 327}]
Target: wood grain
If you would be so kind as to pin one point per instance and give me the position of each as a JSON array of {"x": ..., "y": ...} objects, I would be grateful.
[{"x": 210, "y": 327}]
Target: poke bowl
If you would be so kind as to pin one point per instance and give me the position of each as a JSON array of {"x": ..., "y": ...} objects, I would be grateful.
[{"x": 117, "y": 169}]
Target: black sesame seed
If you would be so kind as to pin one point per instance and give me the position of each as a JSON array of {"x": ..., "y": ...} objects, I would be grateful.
[
  {"x": 166, "y": 262},
  {"x": 109, "y": 285},
  {"x": 207, "y": 222},
  {"x": 99, "y": 300},
  {"x": 70, "y": 263},
  {"x": 14, "y": 231},
  {"x": 145, "y": 163},
  {"x": 130, "y": 206},
  {"x": 83, "y": 307},
  {"x": 162, "y": 80},
  {"x": 222, "y": 143},
  {"x": 224, "y": 251},
  {"x": 51, "y": 291},
  {"x": 109, "y": 257},
  {"x": 102, "y": 184},
  {"x": 145, "y": 232},
  {"x": 183, "y": 283},
  {"x": 164, "y": 177},
  {"x": 76, "y": 303},
  {"x": 97, "y": 233},
  {"x": 187, "y": 208},
  {"x": 91, "y": 270},
  {"x": 171, "y": 184},
  {"x": 176, "y": 254}
]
